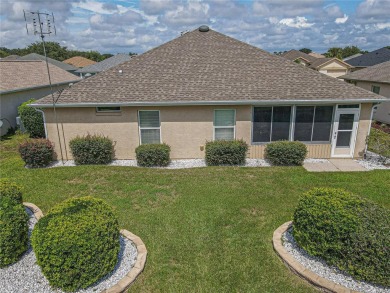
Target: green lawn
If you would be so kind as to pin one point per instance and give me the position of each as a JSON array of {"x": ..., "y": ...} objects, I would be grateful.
[{"x": 206, "y": 229}]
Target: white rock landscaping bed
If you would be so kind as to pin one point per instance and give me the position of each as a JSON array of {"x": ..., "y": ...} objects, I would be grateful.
[
  {"x": 373, "y": 162},
  {"x": 319, "y": 267},
  {"x": 26, "y": 276}
]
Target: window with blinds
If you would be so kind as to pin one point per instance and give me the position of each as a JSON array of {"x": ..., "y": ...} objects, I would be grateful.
[
  {"x": 149, "y": 126},
  {"x": 224, "y": 124}
]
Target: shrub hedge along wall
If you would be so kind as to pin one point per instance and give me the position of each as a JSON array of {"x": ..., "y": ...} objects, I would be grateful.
[
  {"x": 37, "y": 152},
  {"x": 153, "y": 155},
  {"x": 32, "y": 120},
  {"x": 346, "y": 231},
  {"x": 286, "y": 153},
  {"x": 226, "y": 152},
  {"x": 77, "y": 243},
  {"x": 92, "y": 149},
  {"x": 13, "y": 224}
]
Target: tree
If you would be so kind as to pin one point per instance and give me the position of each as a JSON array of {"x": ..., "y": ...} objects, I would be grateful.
[
  {"x": 54, "y": 50},
  {"x": 351, "y": 50},
  {"x": 32, "y": 119},
  {"x": 132, "y": 54},
  {"x": 334, "y": 52},
  {"x": 306, "y": 50}
]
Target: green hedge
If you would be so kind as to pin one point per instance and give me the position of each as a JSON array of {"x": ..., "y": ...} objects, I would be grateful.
[
  {"x": 13, "y": 231},
  {"x": 346, "y": 231},
  {"x": 11, "y": 190},
  {"x": 153, "y": 155},
  {"x": 379, "y": 142},
  {"x": 32, "y": 120},
  {"x": 77, "y": 243},
  {"x": 226, "y": 152},
  {"x": 37, "y": 152},
  {"x": 92, "y": 149},
  {"x": 286, "y": 153}
]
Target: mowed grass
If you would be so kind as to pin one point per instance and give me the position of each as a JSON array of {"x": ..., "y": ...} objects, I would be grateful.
[{"x": 206, "y": 229}]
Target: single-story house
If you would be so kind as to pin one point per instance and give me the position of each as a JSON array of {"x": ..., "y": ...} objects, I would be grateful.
[
  {"x": 369, "y": 59},
  {"x": 376, "y": 79},
  {"x": 21, "y": 81},
  {"x": 79, "y": 61},
  {"x": 62, "y": 65},
  {"x": 330, "y": 66},
  {"x": 103, "y": 65},
  {"x": 316, "y": 55},
  {"x": 205, "y": 86}
]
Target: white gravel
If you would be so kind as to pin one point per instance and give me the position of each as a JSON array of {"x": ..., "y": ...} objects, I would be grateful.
[
  {"x": 373, "y": 162},
  {"x": 319, "y": 267},
  {"x": 25, "y": 276}
]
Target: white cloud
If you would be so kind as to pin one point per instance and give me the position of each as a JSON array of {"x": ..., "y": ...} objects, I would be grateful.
[
  {"x": 298, "y": 22},
  {"x": 341, "y": 19}
]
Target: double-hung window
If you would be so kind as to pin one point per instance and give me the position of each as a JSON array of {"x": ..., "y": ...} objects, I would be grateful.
[
  {"x": 375, "y": 89},
  {"x": 271, "y": 124},
  {"x": 149, "y": 126},
  {"x": 313, "y": 123},
  {"x": 224, "y": 124}
]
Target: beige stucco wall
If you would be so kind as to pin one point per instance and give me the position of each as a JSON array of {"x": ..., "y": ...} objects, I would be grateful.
[
  {"x": 9, "y": 103},
  {"x": 185, "y": 129},
  {"x": 382, "y": 113}
]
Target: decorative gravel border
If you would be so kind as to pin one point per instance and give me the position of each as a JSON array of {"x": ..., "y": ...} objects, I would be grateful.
[
  {"x": 138, "y": 267},
  {"x": 306, "y": 274}
]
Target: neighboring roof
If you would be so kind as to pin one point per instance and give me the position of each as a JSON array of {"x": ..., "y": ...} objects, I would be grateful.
[
  {"x": 35, "y": 56},
  {"x": 11, "y": 57},
  {"x": 371, "y": 59},
  {"x": 320, "y": 62},
  {"x": 79, "y": 61},
  {"x": 353, "y": 56},
  {"x": 200, "y": 68},
  {"x": 377, "y": 73},
  {"x": 105, "y": 64},
  {"x": 316, "y": 55},
  {"x": 24, "y": 74},
  {"x": 295, "y": 54}
]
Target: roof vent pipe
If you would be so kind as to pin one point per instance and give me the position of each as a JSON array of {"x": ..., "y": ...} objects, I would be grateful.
[{"x": 204, "y": 28}]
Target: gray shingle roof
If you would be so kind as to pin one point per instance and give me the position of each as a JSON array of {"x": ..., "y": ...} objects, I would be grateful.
[
  {"x": 105, "y": 64},
  {"x": 207, "y": 67},
  {"x": 62, "y": 65},
  {"x": 377, "y": 73},
  {"x": 371, "y": 59},
  {"x": 322, "y": 61},
  {"x": 295, "y": 54}
]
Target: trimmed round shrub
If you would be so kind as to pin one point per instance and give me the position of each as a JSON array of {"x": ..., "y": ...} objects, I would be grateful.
[
  {"x": 11, "y": 190},
  {"x": 346, "y": 231},
  {"x": 13, "y": 231},
  {"x": 77, "y": 243},
  {"x": 153, "y": 155},
  {"x": 37, "y": 152},
  {"x": 32, "y": 120},
  {"x": 286, "y": 153},
  {"x": 226, "y": 152},
  {"x": 92, "y": 150}
]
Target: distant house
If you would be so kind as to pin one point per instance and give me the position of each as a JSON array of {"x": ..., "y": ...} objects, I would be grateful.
[
  {"x": 11, "y": 57},
  {"x": 330, "y": 66},
  {"x": 316, "y": 55},
  {"x": 353, "y": 56},
  {"x": 62, "y": 65},
  {"x": 369, "y": 59},
  {"x": 376, "y": 79},
  {"x": 205, "y": 86},
  {"x": 79, "y": 62},
  {"x": 103, "y": 65},
  {"x": 22, "y": 80}
]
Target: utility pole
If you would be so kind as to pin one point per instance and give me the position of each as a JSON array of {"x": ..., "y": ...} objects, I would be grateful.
[{"x": 43, "y": 24}]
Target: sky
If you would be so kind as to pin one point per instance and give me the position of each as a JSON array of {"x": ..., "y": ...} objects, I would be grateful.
[{"x": 122, "y": 26}]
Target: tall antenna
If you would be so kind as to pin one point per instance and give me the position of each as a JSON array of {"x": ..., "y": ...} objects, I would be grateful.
[{"x": 42, "y": 24}]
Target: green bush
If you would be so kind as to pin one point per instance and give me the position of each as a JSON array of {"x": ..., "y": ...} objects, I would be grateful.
[
  {"x": 226, "y": 152},
  {"x": 37, "y": 152},
  {"x": 153, "y": 155},
  {"x": 286, "y": 153},
  {"x": 32, "y": 120},
  {"x": 13, "y": 231},
  {"x": 77, "y": 243},
  {"x": 379, "y": 143},
  {"x": 346, "y": 231},
  {"x": 92, "y": 149},
  {"x": 11, "y": 190}
]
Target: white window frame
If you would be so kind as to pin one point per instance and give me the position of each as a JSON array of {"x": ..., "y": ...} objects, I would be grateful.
[
  {"x": 139, "y": 124},
  {"x": 234, "y": 126}
]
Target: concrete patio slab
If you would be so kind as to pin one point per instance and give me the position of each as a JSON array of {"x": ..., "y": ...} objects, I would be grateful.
[
  {"x": 320, "y": 167},
  {"x": 334, "y": 165}
]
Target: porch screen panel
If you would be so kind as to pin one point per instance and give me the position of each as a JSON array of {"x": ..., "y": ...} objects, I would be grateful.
[
  {"x": 303, "y": 123},
  {"x": 281, "y": 123},
  {"x": 323, "y": 123},
  {"x": 262, "y": 124}
]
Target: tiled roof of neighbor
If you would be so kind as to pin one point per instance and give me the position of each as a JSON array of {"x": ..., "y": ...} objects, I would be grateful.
[
  {"x": 371, "y": 59},
  {"x": 322, "y": 61},
  {"x": 316, "y": 55},
  {"x": 376, "y": 73},
  {"x": 294, "y": 54},
  {"x": 105, "y": 64},
  {"x": 22, "y": 74},
  {"x": 62, "y": 65},
  {"x": 207, "y": 67},
  {"x": 79, "y": 61}
]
